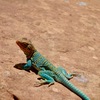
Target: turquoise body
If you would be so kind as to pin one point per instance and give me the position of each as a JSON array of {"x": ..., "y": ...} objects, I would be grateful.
[{"x": 50, "y": 73}]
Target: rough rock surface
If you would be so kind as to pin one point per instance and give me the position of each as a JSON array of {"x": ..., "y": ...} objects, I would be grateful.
[{"x": 67, "y": 32}]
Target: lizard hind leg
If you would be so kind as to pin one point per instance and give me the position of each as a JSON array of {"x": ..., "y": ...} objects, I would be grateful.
[
  {"x": 62, "y": 70},
  {"x": 47, "y": 77}
]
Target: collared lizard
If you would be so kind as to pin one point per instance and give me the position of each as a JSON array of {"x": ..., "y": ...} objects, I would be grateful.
[{"x": 48, "y": 72}]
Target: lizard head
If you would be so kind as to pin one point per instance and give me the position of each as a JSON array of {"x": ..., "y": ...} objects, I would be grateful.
[{"x": 26, "y": 46}]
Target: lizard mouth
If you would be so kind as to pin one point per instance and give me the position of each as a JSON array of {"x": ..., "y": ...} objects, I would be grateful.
[{"x": 18, "y": 43}]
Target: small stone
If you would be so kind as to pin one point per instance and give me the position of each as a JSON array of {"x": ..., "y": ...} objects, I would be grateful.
[
  {"x": 91, "y": 48},
  {"x": 66, "y": 0},
  {"x": 6, "y": 73},
  {"x": 55, "y": 89},
  {"x": 1, "y": 87},
  {"x": 82, "y": 3},
  {"x": 94, "y": 57}
]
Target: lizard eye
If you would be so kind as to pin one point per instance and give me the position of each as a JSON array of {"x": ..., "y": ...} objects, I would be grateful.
[{"x": 29, "y": 47}]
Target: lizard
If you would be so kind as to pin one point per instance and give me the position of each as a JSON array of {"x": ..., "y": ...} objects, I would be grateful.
[{"x": 46, "y": 70}]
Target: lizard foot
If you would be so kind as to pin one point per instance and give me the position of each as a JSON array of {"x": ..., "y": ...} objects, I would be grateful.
[
  {"x": 39, "y": 83},
  {"x": 42, "y": 82},
  {"x": 70, "y": 76},
  {"x": 50, "y": 84},
  {"x": 75, "y": 74}
]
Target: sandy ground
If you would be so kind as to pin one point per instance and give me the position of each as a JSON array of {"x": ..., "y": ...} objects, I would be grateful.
[{"x": 67, "y": 32}]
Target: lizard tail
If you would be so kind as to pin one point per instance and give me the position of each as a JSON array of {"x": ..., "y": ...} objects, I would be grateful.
[{"x": 74, "y": 89}]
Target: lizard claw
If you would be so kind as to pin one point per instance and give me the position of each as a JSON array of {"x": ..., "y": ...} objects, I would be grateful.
[
  {"x": 50, "y": 84},
  {"x": 75, "y": 74},
  {"x": 39, "y": 83},
  {"x": 70, "y": 76}
]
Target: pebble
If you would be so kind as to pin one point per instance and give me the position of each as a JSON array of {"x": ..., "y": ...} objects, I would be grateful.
[
  {"x": 66, "y": 0},
  {"x": 55, "y": 90},
  {"x": 6, "y": 73},
  {"x": 1, "y": 87},
  {"x": 82, "y": 3},
  {"x": 94, "y": 57},
  {"x": 91, "y": 48}
]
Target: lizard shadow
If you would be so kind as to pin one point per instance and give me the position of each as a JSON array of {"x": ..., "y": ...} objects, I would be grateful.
[{"x": 20, "y": 65}]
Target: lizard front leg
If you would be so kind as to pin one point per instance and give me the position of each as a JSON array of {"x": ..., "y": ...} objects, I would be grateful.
[
  {"x": 27, "y": 65},
  {"x": 47, "y": 77}
]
